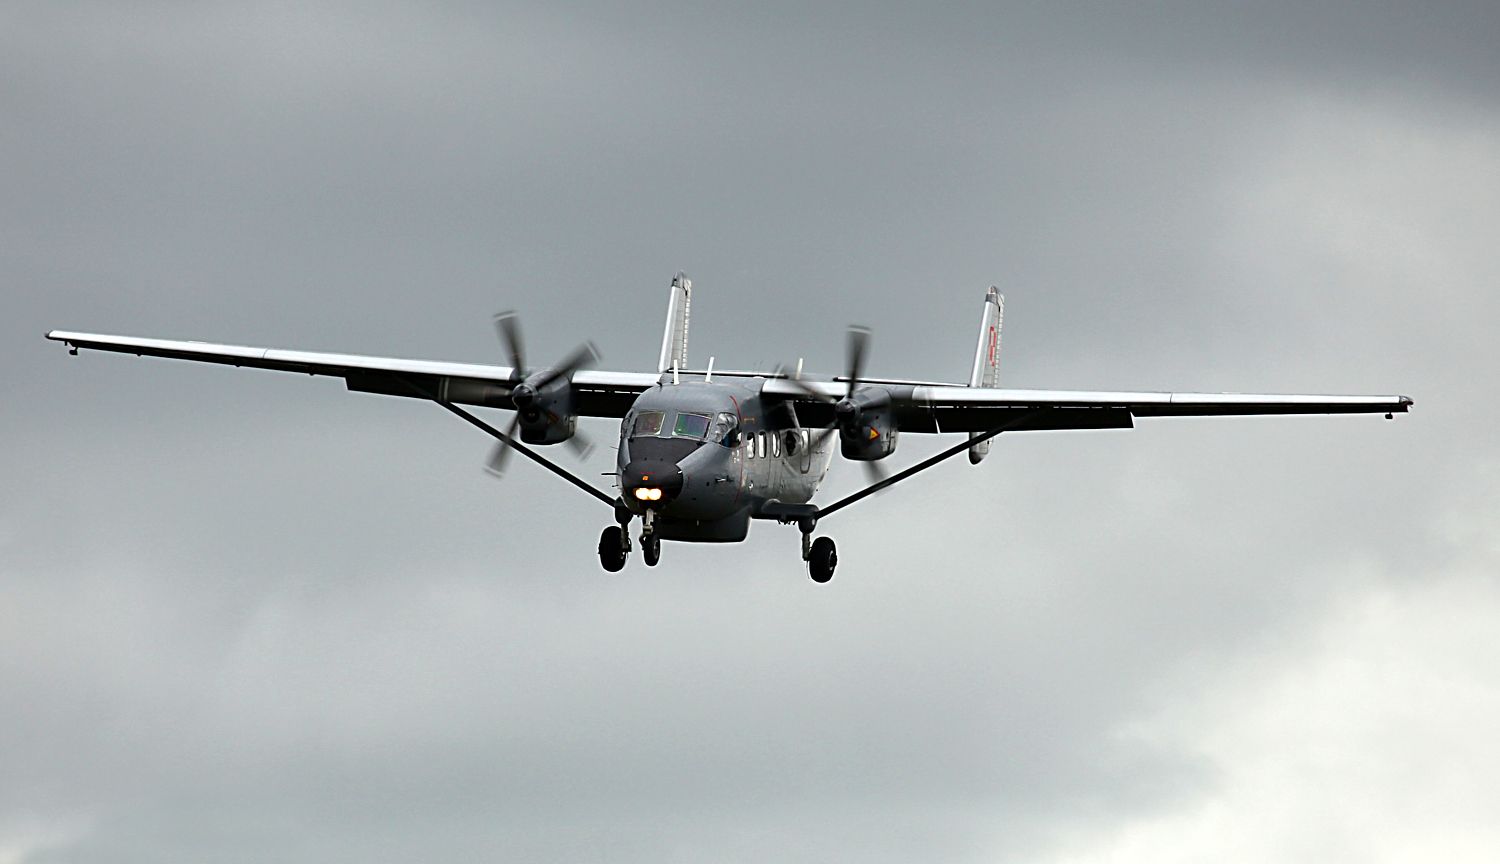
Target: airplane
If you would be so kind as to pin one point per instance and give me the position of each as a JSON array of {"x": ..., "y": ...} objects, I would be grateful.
[{"x": 703, "y": 453}]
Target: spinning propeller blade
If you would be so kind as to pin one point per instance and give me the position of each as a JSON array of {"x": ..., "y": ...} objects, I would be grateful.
[
  {"x": 858, "y": 342},
  {"x": 525, "y": 387},
  {"x": 509, "y": 328}
]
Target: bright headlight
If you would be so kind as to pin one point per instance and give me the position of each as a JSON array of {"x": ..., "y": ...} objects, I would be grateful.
[{"x": 647, "y": 494}]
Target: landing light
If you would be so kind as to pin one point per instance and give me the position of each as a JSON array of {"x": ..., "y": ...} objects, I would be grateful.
[{"x": 645, "y": 494}]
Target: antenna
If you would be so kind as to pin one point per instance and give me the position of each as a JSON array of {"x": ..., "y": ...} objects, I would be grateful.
[{"x": 709, "y": 375}]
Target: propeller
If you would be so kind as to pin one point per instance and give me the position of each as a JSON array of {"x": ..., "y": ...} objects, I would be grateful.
[
  {"x": 847, "y": 412},
  {"x": 524, "y": 389}
]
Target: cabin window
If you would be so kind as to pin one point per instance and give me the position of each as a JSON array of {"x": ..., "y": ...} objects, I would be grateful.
[
  {"x": 691, "y": 426},
  {"x": 775, "y": 446},
  {"x": 647, "y": 423},
  {"x": 760, "y": 444}
]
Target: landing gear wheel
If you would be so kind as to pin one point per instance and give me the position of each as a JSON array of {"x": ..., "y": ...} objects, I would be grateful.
[
  {"x": 612, "y": 549},
  {"x": 821, "y": 559},
  {"x": 651, "y": 549}
]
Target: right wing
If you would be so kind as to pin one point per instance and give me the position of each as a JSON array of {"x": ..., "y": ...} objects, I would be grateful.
[
  {"x": 596, "y": 393},
  {"x": 943, "y": 408}
]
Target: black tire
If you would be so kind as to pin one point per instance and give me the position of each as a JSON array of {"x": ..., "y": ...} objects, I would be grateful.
[
  {"x": 612, "y": 549},
  {"x": 821, "y": 559},
  {"x": 651, "y": 550}
]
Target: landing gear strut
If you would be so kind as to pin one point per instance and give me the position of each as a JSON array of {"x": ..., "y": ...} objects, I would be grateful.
[
  {"x": 820, "y": 554},
  {"x": 650, "y": 542},
  {"x": 614, "y": 543}
]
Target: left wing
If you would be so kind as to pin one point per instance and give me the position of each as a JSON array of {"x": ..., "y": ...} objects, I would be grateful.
[
  {"x": 596, "y": 393},
  {"x": 924, "y": 407}
]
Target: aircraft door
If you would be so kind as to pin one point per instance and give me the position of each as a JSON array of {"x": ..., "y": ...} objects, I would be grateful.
[{"x": 797, "y": 443}]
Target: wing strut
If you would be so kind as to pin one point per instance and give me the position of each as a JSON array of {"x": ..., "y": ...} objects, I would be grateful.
[
  {"x": 925, "y": 464},
  {"x": 513, "y": 442}
]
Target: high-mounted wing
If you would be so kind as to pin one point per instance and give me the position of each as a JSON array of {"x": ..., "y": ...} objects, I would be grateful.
[
  {"x": 595, "y": 393},
  {"x": 952, "y": 408}
]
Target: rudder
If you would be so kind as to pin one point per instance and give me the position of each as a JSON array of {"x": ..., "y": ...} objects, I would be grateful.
[
  {"x": 986, "y": 371},
  {"x": 674, "y": 340}
]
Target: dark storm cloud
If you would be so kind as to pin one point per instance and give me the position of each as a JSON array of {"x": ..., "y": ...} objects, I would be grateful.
[{"x": 251, "y": 616}]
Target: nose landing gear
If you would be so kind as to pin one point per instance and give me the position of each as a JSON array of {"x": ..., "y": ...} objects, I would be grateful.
[{"x": 650, "y": 542}]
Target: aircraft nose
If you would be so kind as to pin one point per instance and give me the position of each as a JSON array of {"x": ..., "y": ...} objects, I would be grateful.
[{"x": 652, "y": 482}]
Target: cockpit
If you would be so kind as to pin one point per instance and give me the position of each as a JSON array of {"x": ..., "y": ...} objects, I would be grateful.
[{"x": 699, "y": 428}]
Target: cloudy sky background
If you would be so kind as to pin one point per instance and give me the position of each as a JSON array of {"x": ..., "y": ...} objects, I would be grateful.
[{"x": 248, "y": 617}]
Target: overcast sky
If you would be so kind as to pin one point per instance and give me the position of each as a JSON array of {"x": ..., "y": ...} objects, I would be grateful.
[{"x": 252, "y": 617}]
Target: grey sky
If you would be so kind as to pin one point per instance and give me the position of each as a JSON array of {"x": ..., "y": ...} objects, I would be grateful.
[{"x": 249, "y": 617}]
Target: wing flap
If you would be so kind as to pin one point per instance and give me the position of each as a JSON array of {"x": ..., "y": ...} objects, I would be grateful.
[{"x": 971, "y": 409}]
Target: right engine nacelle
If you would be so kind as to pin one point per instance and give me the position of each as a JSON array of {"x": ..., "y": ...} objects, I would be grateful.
[
  {"x": 545, "y": 413},
  {"x": 871, "y": 432}
]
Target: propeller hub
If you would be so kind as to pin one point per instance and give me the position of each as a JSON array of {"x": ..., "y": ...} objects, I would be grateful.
[
  {"x": 846, "y": 411},
  {"x": 523, "y": 396}
]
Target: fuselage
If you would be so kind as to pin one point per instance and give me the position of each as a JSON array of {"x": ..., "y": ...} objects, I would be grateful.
[{"x": 705, "y": 457}]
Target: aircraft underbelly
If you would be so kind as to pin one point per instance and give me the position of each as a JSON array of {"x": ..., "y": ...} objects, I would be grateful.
[{"x": 729, "y": 529}]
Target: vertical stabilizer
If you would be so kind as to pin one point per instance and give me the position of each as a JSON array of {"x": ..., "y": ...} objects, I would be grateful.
[
  {"x": 986, "y": 372},
  {"x": 674, "y": 340}
]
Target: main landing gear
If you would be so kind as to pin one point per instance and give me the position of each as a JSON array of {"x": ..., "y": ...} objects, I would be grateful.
[
  {"x": 614, "y": 543},
  {"x": 614, "y": 548},
  {"x": 820, "y": 554}
]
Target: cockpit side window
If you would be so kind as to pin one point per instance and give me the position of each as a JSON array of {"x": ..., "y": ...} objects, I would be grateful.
[
  {"x": 691, "y": 426},
  {"x": 647, "y": 423},
  {"x": 724, "y": 423}
]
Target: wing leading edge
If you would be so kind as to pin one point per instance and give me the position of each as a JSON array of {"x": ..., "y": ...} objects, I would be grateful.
[{"x": 597, "y": 393}]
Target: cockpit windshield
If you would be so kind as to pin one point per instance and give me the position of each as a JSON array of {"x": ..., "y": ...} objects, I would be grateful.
[
  {"x": 655, "y": 424},
  {"x": 691, "y": 426},
  {"x": 647, "y": 423}
]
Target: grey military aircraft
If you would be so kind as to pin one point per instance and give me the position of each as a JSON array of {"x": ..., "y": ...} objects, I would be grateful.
[{"x": 702, "y": 453}]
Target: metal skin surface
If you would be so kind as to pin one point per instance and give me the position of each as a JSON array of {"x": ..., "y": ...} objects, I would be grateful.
[
  {"x": 720, "y": 480},
  {"x": 718, "y": 449}
]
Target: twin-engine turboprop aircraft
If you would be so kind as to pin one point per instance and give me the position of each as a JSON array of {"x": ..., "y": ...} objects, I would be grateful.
[{"x": 703, "y": 452}]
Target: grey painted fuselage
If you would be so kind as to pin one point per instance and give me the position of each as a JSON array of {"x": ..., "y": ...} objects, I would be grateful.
[{"x": 719, "y": 453}]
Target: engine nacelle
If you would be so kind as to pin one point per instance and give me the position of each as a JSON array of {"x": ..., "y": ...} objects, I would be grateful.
[
  {"x": 546, "y": 414},
  {"x": 867, "y": 425}
]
